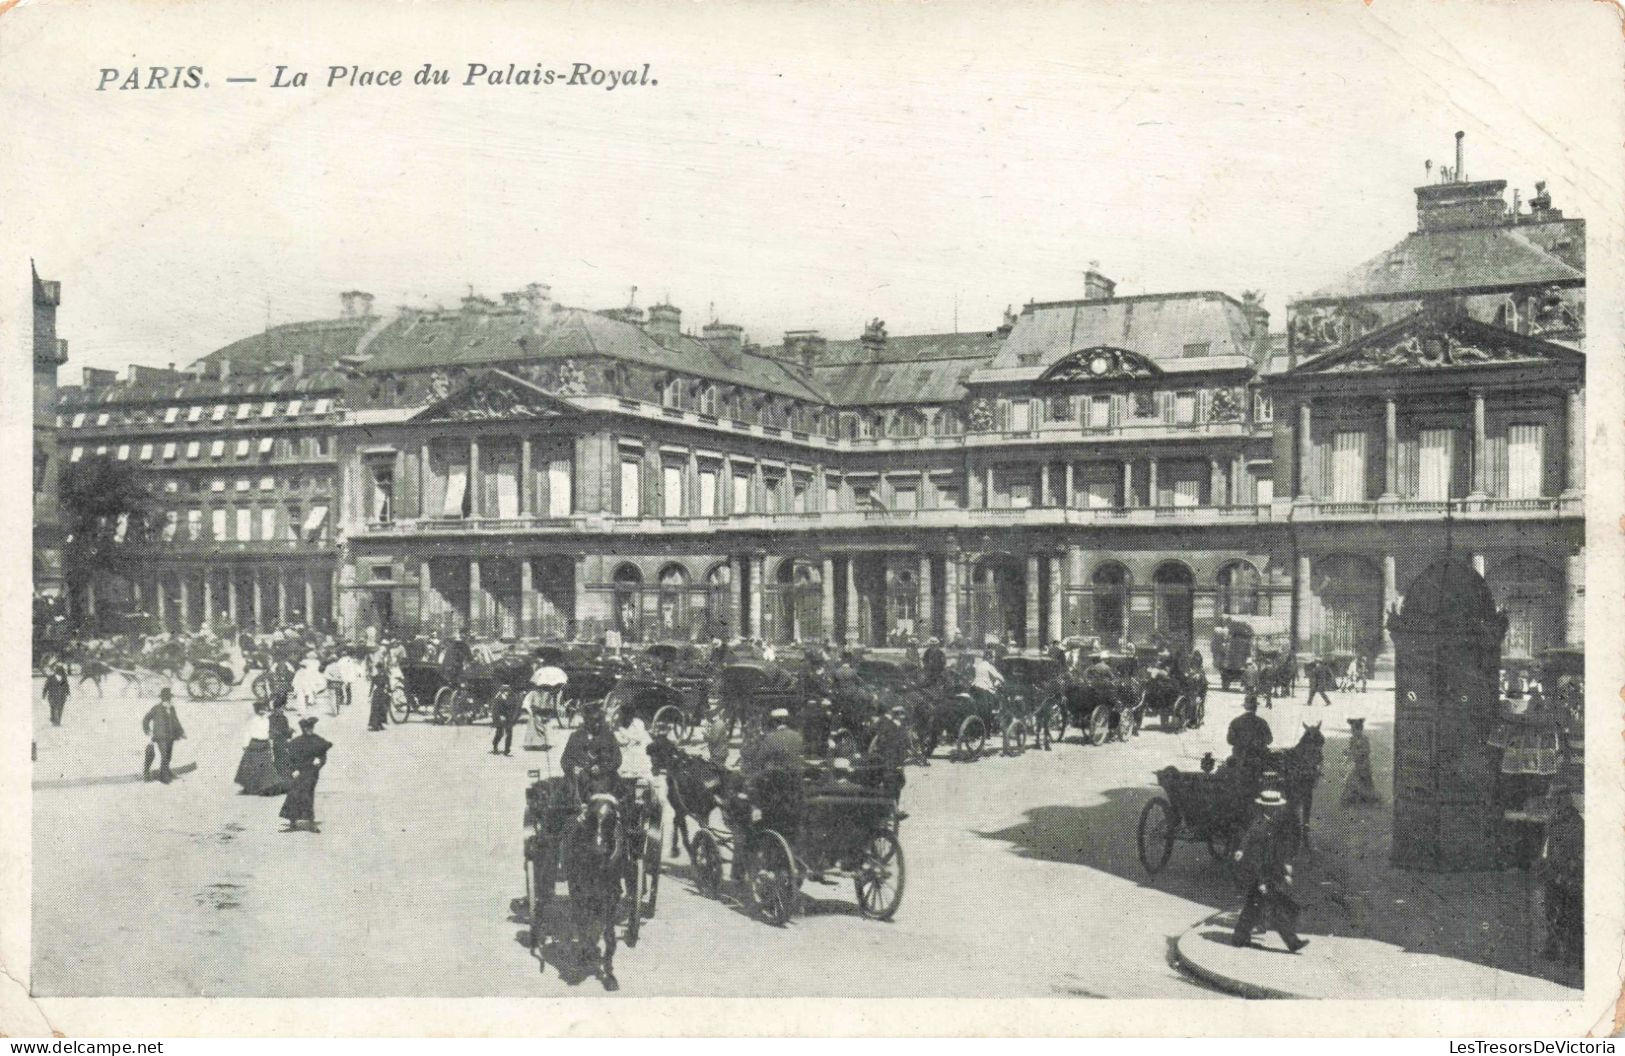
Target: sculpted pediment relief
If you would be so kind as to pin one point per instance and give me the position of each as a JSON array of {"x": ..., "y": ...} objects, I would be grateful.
[
  {"x": 1427, "y": 341},
  {"x": 494, "y": 397},
  {"x": 1102, "y": 364}
]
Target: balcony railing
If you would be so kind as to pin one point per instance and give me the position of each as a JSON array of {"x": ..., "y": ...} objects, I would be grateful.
[
  {"x": 1435, "y": 509},
  {"x": 160, "y": 547}
]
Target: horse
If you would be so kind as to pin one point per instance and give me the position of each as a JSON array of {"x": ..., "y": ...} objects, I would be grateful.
[
  {"x": 1299, "y": 767},
  {"x": 595, "y": 874},
  {"x": 695, "y": 788}
]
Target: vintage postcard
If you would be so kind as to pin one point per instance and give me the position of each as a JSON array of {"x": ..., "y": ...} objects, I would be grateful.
[{"x": 786, "y": 518}]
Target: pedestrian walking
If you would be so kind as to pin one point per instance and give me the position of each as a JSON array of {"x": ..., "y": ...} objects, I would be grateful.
[
  {"x": 505, "y": 709},
  {"x": 1319, "y": 677},
  {"x": 378, "y": 700},
  {"x": 56, "y": 692},
  {"x": 1263, "y": 868},
  {"x": 307, "y": 754},
  {"x": 162, "y": 725}
]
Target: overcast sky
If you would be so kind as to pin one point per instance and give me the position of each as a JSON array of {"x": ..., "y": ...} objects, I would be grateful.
[{"x": 797, "y": 165}]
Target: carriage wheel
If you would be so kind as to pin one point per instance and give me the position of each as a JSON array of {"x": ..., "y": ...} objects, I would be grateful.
[
  {"x": 972, "y": 736},
  {"x": 260, "y": 687},
  {"x": 706, "y": 855},
  {"x": 463, "y": 708},
  {"x": 773, "y": 879},
  {"x": 633, "y": 904},
  {"x": 1058, "y": 720},
  {"x": 669, "y": 721},
  {"x": 443, "y": 704},
  {"x": 1156, "y": 835},
  {"x": 1017, "y": 737},
  {"x": 205, "y": 685},
  {"x": 400, "y": 703},
  {"x": 879, "y": 878},
  {"x": 1198, "y": 711},
  {"x": 1173, "y": 719},
  {"x": 1098, "y": 726}
]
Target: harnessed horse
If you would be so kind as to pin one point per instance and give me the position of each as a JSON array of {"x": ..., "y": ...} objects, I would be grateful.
[
  {"x": 595, "y": 873},
  {"x": 1299, "y": 767}
]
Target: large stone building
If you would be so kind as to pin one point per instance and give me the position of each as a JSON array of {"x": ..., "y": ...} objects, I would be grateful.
[
  {"x": 50, "y": 352},
  {"x": 1125, "y": 466}
]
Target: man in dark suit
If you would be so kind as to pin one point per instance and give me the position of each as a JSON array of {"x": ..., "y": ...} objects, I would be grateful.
[
  {"x": 163, "y": 725},
  {"x": 56, "y": 692},
  {"x": 1249, "y": 737},
  {"x": 505, "y": 708},
  {"x": 1265, "y": 873},
  {"x": 934, "y": 662}
]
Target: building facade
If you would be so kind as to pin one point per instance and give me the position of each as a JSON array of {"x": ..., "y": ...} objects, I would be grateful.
[
  {"x": 1121, "y": 466},
  {"x": 50, "y": 352}
]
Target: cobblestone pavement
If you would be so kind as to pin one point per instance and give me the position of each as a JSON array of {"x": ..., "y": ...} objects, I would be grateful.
[{"x": 1022, "y": 874}]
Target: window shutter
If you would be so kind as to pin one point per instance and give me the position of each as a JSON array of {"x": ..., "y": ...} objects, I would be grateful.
[{"x": 406, "y": 483}]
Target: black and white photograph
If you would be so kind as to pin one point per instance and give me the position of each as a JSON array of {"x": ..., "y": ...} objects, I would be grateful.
[{"x": 1070, "y": 504}]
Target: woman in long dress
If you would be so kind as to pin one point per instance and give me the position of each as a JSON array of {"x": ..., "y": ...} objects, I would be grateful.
[
  {"x": 280, "y": 732},
  {"x": 1359, "y": 787},
  {"x": 257, "y": 770},
  {"x": 307, "y": 754}
]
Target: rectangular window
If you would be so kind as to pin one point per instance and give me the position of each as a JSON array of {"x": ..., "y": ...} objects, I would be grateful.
[
  {"x": 1526, "y": 461},
  {"x": 798, "y": 495},
  {"x": 456, "y": 490},
  {"x": 905, "y": 495},
  {"x": 507, "y": 484},
  {"x": 316, "y": 524},
  {"x": 217, "y": 524},
  {"x": 383, "y": 493},
  {"x": 773, "y": 493},
  {"x": 217, "y": 485},
  {"x": 1100, "y": 486},
  {"x": 741, "y": 493},
  {"x": 832, "y": 494},
  {"x": 1021, "y": 416},
  {"x": 76, "y": 454},
  {"x": 103, "y": 418},
  {"x": 1060, "y": 409},
  {"x": 1263, "y": 407},
  {"x": 219, "y": 413},
  {"x": 217, "y": 449},
  {"x": 863, "y": 495},
  {"x": 242, "y": 448},
  {"x": 172, "y": 520},
  {"x": 1100, "y": 412},
  {"x": 268, "y": 523},
  {"x": 101, "y": 450},
  {"x": 124, "y": 452},
  {"x": 671, "y": 491},
  {"x": 1435, "y": 459},
  {"x": 241, "y": 485},
  {"x": 1263, "y": 489},
  {"x": 169, "y": 451},
  {"x": 323, "y": 405},
  {"x": 294, "y": 407},
  {"x": 1187, "y": 491},
  {"x": 267, "y": 483},
  {"x": 708, "y": 493},
  {"x": 269, "y": 409},
  {"x": 194, "y": 414},
  {"x": 266, "y": 444},
  {"x": 245, "y": 524},
  {"x": 78, "y": 420},
  {"x": 1348, "y": 467},
  {"x": 170, "y": 414},
  {"x": 194, "y": 448},
  {"x": 244, "y": 410},
  {"x": 948, "y": 494},
  {"x": 146, "y": 452},
  {"x": 559, "y": 503},
  {"x": 194, "y": 525},
  {"x": 631, "y": 487},
  {"x": 292, "y": 522},
  {"x": 1185, "y": 408}
]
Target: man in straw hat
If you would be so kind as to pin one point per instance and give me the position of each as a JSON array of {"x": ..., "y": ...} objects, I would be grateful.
[{"x": 1265, "y": 873}]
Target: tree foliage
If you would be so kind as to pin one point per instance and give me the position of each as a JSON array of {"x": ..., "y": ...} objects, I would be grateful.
[{"x": 97, "y": 496}]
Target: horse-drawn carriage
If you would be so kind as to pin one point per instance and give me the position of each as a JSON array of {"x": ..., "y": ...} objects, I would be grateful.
[
  {"x": 749, "y": 692},
  {"x": 667, "y": 707},
  {"x": 1099, "y": 705},
  {"x": 845, "y": 829},
  {"x": 426, "y": 688},
  {"x": 1215, "y": 806},
  {"x": 1174, "y": 691},
  {"x": 602, "y": 835},
  {"x": 1231, "y": 648}
]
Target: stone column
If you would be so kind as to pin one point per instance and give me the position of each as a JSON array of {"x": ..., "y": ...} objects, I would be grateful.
[
  {"x": 1128, "y": 483},
  {"x": 826, "y": 608},
  {"x": 310, "y": 598},
  {"x": 1574, "y": 609},
  {"x": 757, "y": 570},
  {"x": 1481, "y": 475},
  {"x": 1302, "y": 634},
  {"x": 282, "y": 595},
  {"x": 1071, "y": 488},
  {"x": 987, "y": 486},
  {"x": 851, "y": 599},
  {"x": 923, "y": 623},
  {"x": 1151, "y": 483},
  {"x": 476, "y": 598},
  {"x": 208, "y": 597},
  {"x": 1032, "y": 602},
  {"x": 950, "y": 597},
  {"x": 526, "y": 486},
  {"x": 1306, "y": 452},
  {"x": 1479, "y": 564},
  {"x": 1043, "y": 484},
  {"x": 475, "y": 494},
  {"x": 580, "y": 584},
  {"x": 1055, "y": 596},
  {"x": 1215, "y": 483},
  {"x": 1390, "y": 449},
  {"x": 424, "y": 473},
  {"x": 1238, "y": 471},
  {"x": 1575, "y": 470},
  {"x": 231, "y": 595},
  {"x": 527, "y": 594},
  {"x": 162, "y": 592},
  {"x": 90, "y": 599},
  {"x": 186, "y": 601},
  {"x": 1390, "y": 600},
  {"x": 259, "y": 599}
]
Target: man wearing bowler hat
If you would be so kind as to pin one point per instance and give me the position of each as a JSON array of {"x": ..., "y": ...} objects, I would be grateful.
[
  {"x": 1265, "y": 873},
  {"x": 163, "y": 724}
]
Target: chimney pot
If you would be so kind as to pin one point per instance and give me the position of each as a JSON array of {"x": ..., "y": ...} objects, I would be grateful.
[
  {"x": 726, "y": 340},
  {"x": 1461, "y": 173},
  {"x": 665, "y": 322},
  {"x": 1097, "y": 287}
]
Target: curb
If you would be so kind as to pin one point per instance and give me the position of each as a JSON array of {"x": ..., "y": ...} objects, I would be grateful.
[{"x": 1238, "y": 987}]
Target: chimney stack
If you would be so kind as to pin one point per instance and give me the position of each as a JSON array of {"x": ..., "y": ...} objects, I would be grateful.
[
  {"x": 665, "y": 322},
  {"x": 357, "y": 304},
  {"x": 1461, "y": 173},
  {"x": 97, "y": 379},
  {"x": 874, "y": 337},
  {"x": 804, "y": 347},
  {"x": 298, "y": 364},
  {"x": 726, "y": 340},
  {"x": 1097, "y": 287}
]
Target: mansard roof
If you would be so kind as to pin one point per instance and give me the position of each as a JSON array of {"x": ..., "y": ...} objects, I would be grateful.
[
  {"x": 1438, "y": 343},
  {"x": 428, "y": 340},
  {"x": 1179, "y": 332},
  {"x": 917, "y": 368},
  {"x": 1467, "y": 259}
]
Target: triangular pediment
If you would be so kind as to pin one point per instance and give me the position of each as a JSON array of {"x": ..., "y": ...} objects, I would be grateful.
[
  {"x": 1101, "y": 363},
  {"x": 1434, "y": 341},
  {"x": 493, "y": 396}
]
